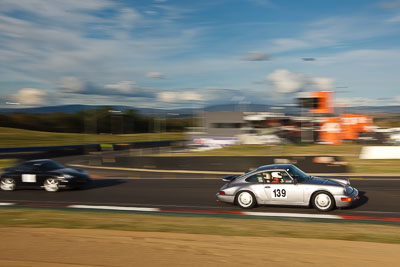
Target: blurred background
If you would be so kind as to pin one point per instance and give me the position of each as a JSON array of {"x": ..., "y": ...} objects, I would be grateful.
[
  {"x": 255, "y": 78},
  {"x": 184, "y": 93}
]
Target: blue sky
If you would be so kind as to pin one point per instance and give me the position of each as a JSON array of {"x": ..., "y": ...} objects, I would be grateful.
[{"x": 169, "y": 54}]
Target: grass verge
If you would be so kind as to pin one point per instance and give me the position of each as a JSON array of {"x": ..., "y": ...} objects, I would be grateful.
[
  {"x": 42, "y": 218},
  {"x": 10, "y": 137}
]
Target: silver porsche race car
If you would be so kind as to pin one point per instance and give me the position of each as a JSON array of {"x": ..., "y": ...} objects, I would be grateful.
[{"x": 285, "y": 184}]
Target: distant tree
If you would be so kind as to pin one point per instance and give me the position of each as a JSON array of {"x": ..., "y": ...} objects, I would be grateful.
[{"x": 100, "y": 120}]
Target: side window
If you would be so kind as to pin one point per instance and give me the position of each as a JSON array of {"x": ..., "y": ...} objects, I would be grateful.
[
  {"x": 280, "y": 177},
  {"x": 25, "y": 167},
  {"x": 256, "y": 178}
]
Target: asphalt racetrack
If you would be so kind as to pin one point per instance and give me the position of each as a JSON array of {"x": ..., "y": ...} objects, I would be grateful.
[{"x": 379, "y": 196}]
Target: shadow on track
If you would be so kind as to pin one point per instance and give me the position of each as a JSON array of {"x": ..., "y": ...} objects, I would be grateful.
[
  {"x": 102, "y": 183},
  {"x": 363, "y": 200}
]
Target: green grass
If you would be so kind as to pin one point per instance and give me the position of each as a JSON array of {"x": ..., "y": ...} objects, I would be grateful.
[
  {"x": 348, "y": 153},
  {"x": 10, "y": 137},
  {"x": 10, "y": 217}
]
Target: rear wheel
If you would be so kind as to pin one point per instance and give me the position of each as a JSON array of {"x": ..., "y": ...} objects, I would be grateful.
[
  {"x": 246, "y": 200},
  {"x": 8, "y": 184},
  {"x": 51, "y": 185},
  {"x": 323, "y": 201}
]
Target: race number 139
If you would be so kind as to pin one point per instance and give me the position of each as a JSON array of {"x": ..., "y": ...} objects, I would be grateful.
[{"x": 279, "y": 193}]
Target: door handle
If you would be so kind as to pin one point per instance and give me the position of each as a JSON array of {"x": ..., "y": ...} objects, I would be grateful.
[{"x": 267, "y": 187}]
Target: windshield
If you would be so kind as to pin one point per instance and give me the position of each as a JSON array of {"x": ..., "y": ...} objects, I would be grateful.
[
  {"x": 51, "y": 165},
  {"x": 296, "y": 173}
]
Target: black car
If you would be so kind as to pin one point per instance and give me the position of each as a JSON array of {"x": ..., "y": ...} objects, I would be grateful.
[{"x": 44, "y": 173}]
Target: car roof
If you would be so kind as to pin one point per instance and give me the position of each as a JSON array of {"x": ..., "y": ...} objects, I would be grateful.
[
  {"x": 36, "y": 161},
  {"x": 274, "y": 166}
]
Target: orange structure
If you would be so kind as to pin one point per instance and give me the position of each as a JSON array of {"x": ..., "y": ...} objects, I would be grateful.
[
  {"x": 353, "y": 124},
  {"x": 331, "y": 131},
  {"x": 334, "y": 130},
  {"x": 324, "y": 102}
]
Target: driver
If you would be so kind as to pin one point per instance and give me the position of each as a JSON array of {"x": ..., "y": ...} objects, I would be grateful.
[
  {"x": 267, "y": 177},
  {"x": 276, "y": 177}
]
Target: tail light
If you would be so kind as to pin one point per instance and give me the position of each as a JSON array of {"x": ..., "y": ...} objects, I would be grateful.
[
  {"x": 222, "y": 192},
  {"x": 346, "y": 199}
]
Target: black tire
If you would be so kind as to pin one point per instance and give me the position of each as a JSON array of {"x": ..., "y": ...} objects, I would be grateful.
[
  {"x": 245, "y": 200},
  {"x": 8, "y": 184},
  {"x": 323, "y": 201}
]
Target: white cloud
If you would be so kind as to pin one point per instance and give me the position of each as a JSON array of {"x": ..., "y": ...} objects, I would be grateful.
[
  {"x": 30, "y": 96},
  {"x": 394, "y": 19},
  {"x": 44, "y": 47},
  {"x": 155, "y": 75},
  {"x": 286, "y": 81},
  {"x": 76, "y": 11},
  {"x": 110, "y": 42},
  {"x": 287, "y": 44},
  {"x": 128, "y": 17},
  {"x": 321, "y": 83},
  {"x": 256, "y": 56},
  {"x": 123, "y": 87},
  {"x": 71, "y": 84},
  {"x": 180, "y": 96},
  {"x": 212, "y": 88},
  {"x": 356, "y": 101},
  {"x": 151, "y": 12},
  {"x": 74, "y": 85},
  {"x": 333, "y": 32},
  {"x": 366, "y": 101}
]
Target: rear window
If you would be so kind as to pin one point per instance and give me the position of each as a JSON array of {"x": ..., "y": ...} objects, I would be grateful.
[{"x": 256, "y": 178}]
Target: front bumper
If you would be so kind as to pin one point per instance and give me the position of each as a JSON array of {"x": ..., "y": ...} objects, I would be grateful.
[
  {"x": 344, "y": 204},
  {"x": 225, "y": 198}
]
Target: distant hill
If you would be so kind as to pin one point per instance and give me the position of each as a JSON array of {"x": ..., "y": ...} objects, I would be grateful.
[
  {"x": 373, "y": 109},
  {"x": 184, "y": 112},
  {"x": 75, "y": 108},
  {"x": 49, "y": 109}
]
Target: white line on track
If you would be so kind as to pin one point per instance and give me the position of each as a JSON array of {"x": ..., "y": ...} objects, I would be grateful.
[
  {"x": 382, "y": 212},
  {"x": 296, "y": 215},
  {"x": 262, "y": 214},
  {"x": 157, "y": 208},
  {"x": 113, "y": 208},
  {"x": 6, "y": 204}
]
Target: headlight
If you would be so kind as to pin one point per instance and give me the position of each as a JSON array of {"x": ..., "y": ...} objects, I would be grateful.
[{"x": 67, "y": 176}]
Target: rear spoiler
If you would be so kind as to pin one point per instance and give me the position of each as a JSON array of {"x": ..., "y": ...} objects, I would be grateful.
[{"x": 229, "y": 178}]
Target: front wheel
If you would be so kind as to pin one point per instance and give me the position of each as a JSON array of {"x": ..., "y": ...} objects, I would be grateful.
[
  {"x": 246, "y": 200},
  {"x": 323, "y": 201},
  {"x": 8, "y": 184},
  {"x": 51, "y": 185}
]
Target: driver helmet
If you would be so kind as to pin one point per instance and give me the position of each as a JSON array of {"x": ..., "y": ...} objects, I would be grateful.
[{"x": 276, "y": 175}]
